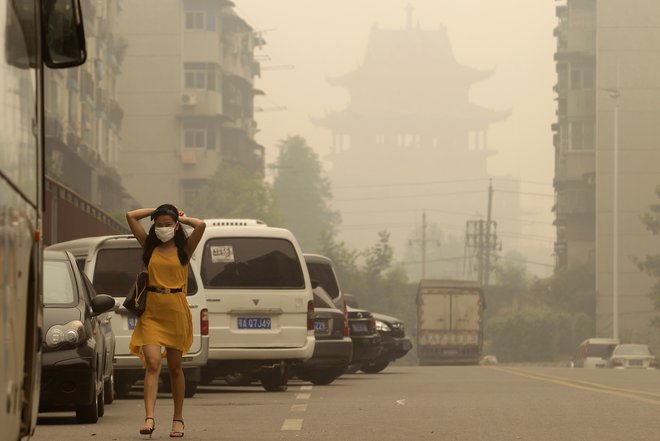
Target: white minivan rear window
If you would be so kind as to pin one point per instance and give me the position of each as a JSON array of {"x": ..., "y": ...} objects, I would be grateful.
[{"x": 251, "y": 262}]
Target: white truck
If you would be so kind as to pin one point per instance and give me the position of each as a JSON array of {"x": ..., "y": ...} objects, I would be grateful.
[{"x": 449, "y": 322}]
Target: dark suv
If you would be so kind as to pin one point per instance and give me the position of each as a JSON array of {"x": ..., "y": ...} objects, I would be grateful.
[{"x": 366, "y": 340}]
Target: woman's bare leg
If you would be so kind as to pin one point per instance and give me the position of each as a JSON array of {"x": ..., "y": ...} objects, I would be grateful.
[
  {"x": 178, "y": 382},
  {"x": 152, "y": 358}
]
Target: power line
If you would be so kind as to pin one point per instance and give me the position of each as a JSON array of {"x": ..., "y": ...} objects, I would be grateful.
[
  {"x": 446, "y": 181},
  {"x": 418, "y": 195}
]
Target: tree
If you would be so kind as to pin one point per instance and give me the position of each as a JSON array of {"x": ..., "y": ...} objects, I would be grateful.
[
  {"x": 303, "y": 193},
  {"x": 650, "y": 264},
  {"x": 234, "y": 192}
]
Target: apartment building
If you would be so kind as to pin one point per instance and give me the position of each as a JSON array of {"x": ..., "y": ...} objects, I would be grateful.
[
  {"x": 187, "y": 89},
  {"x": 608, "y": 95},
  {"x": 83, "y": 118}
]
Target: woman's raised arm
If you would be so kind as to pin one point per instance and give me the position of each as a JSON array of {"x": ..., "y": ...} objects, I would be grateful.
[{"x": 133, "y": 218}]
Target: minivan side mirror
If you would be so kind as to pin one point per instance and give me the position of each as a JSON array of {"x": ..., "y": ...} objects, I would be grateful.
[
  {"x": 102, "y": 303},
  {"x": 315, "y": 283}
]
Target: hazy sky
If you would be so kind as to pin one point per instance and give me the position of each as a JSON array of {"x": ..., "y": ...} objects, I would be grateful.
[{"x": 328, "y": 38}]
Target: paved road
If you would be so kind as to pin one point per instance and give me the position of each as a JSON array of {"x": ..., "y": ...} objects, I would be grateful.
[{"x": 405, "y": 403}]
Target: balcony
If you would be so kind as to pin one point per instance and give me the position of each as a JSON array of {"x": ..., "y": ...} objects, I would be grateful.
[{"x": 581, "y": 103}]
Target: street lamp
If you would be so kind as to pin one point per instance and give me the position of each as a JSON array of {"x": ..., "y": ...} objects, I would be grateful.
[{"x": 615, "y": 94}]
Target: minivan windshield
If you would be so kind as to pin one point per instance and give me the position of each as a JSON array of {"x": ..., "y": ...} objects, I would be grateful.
[
  {"x": 116, "y": 269},
  {"x": 251, "y": 262}
]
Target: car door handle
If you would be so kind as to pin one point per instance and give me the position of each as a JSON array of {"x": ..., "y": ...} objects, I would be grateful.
[
  {"x": 212, "y": 300},
  {"x": 193, "y": 306}
]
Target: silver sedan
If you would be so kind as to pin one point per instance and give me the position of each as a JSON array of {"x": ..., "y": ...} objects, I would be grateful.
[{"x": 633, "y": 356}]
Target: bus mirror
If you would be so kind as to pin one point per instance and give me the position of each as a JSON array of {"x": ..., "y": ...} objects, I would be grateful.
[{"x": 63, "y": 34}]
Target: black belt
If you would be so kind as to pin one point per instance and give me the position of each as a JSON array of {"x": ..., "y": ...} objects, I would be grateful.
[{"x": 164, "y": 290}]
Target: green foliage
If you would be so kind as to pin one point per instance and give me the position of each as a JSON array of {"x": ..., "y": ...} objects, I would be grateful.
[
  {"x": 536, "y": 335},
  {"x": 651, "y": 263},
  {"x": 234, "y": 192},
  {"x": 532, "y": 319},
  {"x": 303, "y": 193}
]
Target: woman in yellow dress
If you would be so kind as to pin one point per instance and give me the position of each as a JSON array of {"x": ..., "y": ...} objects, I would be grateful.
[{"x": 165, "y": 327}]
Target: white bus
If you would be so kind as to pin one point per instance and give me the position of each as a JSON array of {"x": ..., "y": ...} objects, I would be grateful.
[{"x": 33, "y": 34}]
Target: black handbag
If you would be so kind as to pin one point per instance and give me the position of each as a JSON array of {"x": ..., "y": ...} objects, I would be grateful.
[{"x": 136, "y": 299}]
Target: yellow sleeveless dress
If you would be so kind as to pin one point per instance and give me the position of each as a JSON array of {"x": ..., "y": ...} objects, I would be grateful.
[{"x": 166, "y": 321}]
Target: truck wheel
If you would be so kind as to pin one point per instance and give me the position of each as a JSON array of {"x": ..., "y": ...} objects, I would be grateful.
[
  {"x": 374, "y": 367},
  {"x": 274, "y": 380}
]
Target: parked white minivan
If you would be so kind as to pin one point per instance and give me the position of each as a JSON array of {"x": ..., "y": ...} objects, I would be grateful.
[
  {"x": 260, "y": 301},
  {"x": 111, "y": 263}
]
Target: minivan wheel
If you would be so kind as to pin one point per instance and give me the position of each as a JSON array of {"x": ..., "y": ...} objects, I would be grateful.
[
  {"x": 238, "y": 379},
  {"x": 109, "y": 389},
  {"x": 88, "y": 414},
  {"x": 274, "y": 380},
  {"x": 191, "y": 389},
  {"x": 323, "y": 377}
]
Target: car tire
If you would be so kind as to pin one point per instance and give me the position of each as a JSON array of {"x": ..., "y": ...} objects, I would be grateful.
[
  {"x": 352, "y": 368},
  {"x": 274, "y": 380},
  {"x": 109, "y": 389},
  {"x": 374, "y": 367},
  {"x": 101, "y": 403},
  {"x": 88, "y": 414},
  {"x": 239, "y": 379},
  {"x": 191, "y": 389},
  {"x": 322, "y": 377}
]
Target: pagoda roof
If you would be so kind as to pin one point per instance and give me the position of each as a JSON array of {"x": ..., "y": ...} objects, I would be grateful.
[
  {"x": 467, "y": 115},
  {"x": 408, "y": 54}
]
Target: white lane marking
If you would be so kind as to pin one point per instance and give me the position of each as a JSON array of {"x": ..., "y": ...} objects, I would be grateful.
[
  {"x": 401, "y": 402},
  {"x": 299, "y": 408},
  {"x": 292, "y": 424},
  {"x": 306, "y": 387},
  {"x": 303, "y": 396}
]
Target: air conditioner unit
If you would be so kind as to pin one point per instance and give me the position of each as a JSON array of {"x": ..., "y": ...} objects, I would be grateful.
[{"x": 188, "y": 99}]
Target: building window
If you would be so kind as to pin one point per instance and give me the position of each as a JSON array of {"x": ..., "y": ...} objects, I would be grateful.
[
  {"x": 201, "y": 76},
  {"x": 582, "y": 78},
  {"x": 194, "y": 138},
  {"x": 582, "y": 135},
  {"x": 195, "y": 20}
]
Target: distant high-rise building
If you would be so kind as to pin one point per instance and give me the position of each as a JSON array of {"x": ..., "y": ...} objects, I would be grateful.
[
  {"x": 608, "y": 84},
  {"x": 410, "y": 140},
  {"x": 187, "y": 89}
]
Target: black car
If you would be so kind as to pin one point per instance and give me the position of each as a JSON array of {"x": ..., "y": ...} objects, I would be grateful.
[
  {"x": 74, "y": 364},
  {"x": 334, "y": 348},
  {"x": 393, "y": 338},
  {"x": 366, "y": 340}
]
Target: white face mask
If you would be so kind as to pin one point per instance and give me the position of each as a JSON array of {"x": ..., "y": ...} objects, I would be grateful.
[{"x": 165, "y": 233}]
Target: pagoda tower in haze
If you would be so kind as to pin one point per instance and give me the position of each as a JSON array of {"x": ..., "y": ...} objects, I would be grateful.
[{"x": 409, "y": 120}]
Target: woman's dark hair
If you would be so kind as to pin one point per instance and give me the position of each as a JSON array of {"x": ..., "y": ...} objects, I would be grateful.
[{"x": 180, "y": 237}]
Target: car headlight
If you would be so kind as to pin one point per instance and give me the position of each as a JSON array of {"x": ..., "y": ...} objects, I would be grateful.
[
  {"x": 72, "y": 333},
  {"x": 398, "y": 326},
  {"x": 382, "y": 326}
]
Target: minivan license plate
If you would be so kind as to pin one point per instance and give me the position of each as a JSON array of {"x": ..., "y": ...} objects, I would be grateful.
[
  {"x": 132, "y": 321},
  {"x": 254, "y": 323}
]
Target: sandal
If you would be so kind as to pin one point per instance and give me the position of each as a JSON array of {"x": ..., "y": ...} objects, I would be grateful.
[
  {"x": 177, "y": 434},
  {"x": 148, "y": 430}
]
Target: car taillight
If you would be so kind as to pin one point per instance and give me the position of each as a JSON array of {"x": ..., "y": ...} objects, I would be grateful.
[
  {"x": 346, "y": 331},
  {"x": 204, "y": 314},
  {"x": 653, "y": 363},
  {"x": 310, "y": 315},
  {"x": 372, "y": 324},
  {"x": 617, "y": 362}
]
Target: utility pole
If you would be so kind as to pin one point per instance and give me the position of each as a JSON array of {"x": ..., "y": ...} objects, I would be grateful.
[
  {"x": 422, "y": 243},
  {"x": 481, "y": 235},
  {"x": 488, "y": 235}
]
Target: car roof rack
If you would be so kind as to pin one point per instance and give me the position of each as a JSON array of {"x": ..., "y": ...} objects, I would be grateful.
[{"x": 235, "y": 223}]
